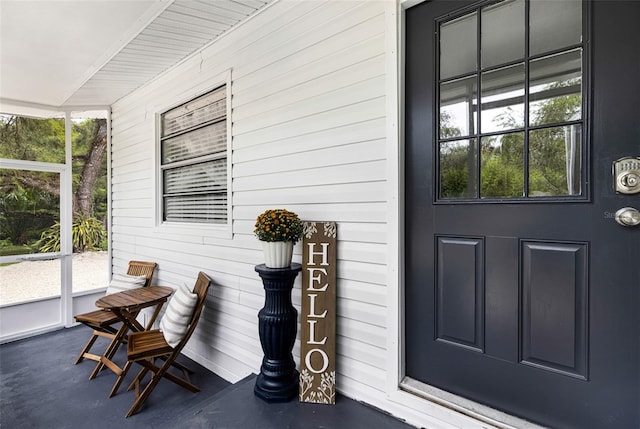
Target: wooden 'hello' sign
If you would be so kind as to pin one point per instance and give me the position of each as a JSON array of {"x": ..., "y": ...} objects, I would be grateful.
[{"x": 318, "y": 324}]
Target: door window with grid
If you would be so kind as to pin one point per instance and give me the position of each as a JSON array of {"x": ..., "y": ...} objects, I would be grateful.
[{"x": 511, "y": 115}]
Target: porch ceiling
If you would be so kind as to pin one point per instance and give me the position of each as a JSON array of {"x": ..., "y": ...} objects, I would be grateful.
[{"x": 67, "y": 54}]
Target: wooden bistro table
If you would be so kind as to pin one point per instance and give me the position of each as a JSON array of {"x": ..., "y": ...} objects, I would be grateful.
[{"x": 125, "y": 306}]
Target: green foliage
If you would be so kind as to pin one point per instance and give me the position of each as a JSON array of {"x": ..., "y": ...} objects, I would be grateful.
[
  {"x": 24, "y": 211},
  {"x": 8, "y": 248},
  {"x": 32, "y": 139},
  {"x": 88, "y": 234},
  {"x": 29, "y": 201},
  {"x": 501, "y": 180},
  {"x": 502, "y": 168},
  {"x": 454, "y": 172},
  {"x": 454, "y": 183}
]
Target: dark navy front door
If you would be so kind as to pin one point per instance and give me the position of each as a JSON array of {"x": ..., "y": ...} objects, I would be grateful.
[{"x": 522, "y": 291}]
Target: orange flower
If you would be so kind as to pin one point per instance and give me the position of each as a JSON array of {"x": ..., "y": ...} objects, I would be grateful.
[{"x": 278, "y": 225}]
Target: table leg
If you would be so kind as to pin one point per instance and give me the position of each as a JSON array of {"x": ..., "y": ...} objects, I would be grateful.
[{"x": 111, "y": 350}]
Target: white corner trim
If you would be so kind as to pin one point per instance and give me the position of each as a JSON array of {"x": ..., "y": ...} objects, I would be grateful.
[{"x": 395, "y": 307}]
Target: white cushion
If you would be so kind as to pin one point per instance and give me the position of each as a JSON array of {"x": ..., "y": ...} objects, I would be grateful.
[
  {"x": 122, "y": 282},
  {"x": 176, "y": 318}
]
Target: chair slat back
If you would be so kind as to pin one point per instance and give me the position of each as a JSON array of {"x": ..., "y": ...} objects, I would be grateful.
[
  {"x": 142, "y": 268},
  {"x": 201, "y": 288}
]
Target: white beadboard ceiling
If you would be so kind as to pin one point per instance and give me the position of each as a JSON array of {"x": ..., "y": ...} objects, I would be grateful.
[{"x": 68, "y": 54}]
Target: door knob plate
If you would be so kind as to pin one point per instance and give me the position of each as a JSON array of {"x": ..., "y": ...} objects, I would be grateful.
[{"x": 628, "y": 216}]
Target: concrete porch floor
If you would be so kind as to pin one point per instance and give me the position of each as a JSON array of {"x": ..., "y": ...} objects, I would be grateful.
[{"x": 41, "y": 388}]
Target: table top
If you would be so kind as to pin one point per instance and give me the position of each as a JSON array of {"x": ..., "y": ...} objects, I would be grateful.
[{"x": 144, "y": 296}]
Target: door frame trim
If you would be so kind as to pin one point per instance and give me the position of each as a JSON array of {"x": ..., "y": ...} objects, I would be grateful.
[{"x": 465, "y": 406}]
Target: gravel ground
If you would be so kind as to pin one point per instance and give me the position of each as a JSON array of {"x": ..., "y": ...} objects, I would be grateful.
[{"x": 40, "y": 279}]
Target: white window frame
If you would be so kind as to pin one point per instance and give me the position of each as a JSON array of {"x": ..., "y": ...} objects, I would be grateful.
[{"x": 186, "y": 228}]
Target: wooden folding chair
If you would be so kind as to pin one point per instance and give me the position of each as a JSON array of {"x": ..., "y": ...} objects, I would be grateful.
[
  {"x": 147, "y": 346},
  {"x": 103, "y": 321}
]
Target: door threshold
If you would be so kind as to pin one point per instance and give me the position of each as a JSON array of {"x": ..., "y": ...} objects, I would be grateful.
[{"x": 465, "y": 406}]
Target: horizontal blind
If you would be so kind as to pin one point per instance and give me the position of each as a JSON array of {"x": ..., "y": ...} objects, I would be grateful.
[
  {"x": 200, "y": 142},
  {"x": 194, "y": 160},
  {"x": 206, "y": 108},
  {"x": 203, "y": 209},
  {"x": 198, "y": 178}
]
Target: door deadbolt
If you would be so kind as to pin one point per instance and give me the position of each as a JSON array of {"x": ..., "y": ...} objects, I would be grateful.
[
  {"x": 628, "y": 216},
  {"x": 626, "y": 175}
]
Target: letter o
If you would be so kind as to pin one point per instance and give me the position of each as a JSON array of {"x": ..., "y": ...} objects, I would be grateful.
[{"x": 325, "y": 359}]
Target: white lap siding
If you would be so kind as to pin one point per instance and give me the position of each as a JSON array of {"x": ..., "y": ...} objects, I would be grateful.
[{"x": 310, "y": 133}]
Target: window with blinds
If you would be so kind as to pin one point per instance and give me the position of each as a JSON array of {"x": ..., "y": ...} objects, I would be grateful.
[{"x": 193, "y": 145}]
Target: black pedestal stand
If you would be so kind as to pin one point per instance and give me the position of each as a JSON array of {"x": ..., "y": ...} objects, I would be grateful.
[{"x": 278, "y": 324}]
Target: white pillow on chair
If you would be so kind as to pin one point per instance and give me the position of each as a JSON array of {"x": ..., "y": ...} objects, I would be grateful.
[
  {"x": 175, "y": 322},
  {"x": 122, "y": 282}
]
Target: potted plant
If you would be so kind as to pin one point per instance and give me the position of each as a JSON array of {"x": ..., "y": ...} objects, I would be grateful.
[{"x": 278, "y": 230}]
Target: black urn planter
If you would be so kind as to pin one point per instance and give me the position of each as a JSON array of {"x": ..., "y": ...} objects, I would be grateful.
[{"x": 277, "y": 325}]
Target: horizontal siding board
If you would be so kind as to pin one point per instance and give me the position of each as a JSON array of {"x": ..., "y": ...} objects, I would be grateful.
[
  {"x": 361, "y": 331},
  {"x": 139, "y": 199},
  {"x": 364, "y": 90},
  {"x": 363, "y": 232},
  {"x": 361, "y": 352},
  {"x": 330, "y": 138},
  {"x": 309, "y": 134},
  {"x": 309, "y": 71},
  {"x": 339, "y": 212},
  {"x": 340, "y": 26},
  {"x": 130, "y": 175},
  {"x": 134, "y": 222},
  {"x": 230, "y": 332},
  {"x": 277, "y": 43},
  {"x": 362, "y": 252},
  {"x": 270, "y": 21},
  {"x": 145, "y": 188},
  {"x": 142, "y": 213},
  {"x": 141, "y": 167},
  {"x": 129, "y": 143},
  {"x": 361, "y": 152},
  {"x": 345, "y": 193},
  {"x": 133, "y": 195},
  {"x": 362, "y": 272},
  {"x": 311, "y": 85},
  {"x": 208, "y": 337},
  {"x": 332, "y": 175},
  {"x": 364, "y": 111},
  {"x": 361, "y": 291},
  {"x": 356, "y": 310},
  {"x": 138, "y": 163},
  {"x": 233, "y": 362},
  {"x": 365, "y": 374}
]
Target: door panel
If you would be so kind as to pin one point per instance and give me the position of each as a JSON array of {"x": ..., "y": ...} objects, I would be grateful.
[
  {"x": 554, "y": 298},
  {"x": 527, "y": 299},
  {"x": 460, "y": 288}
]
